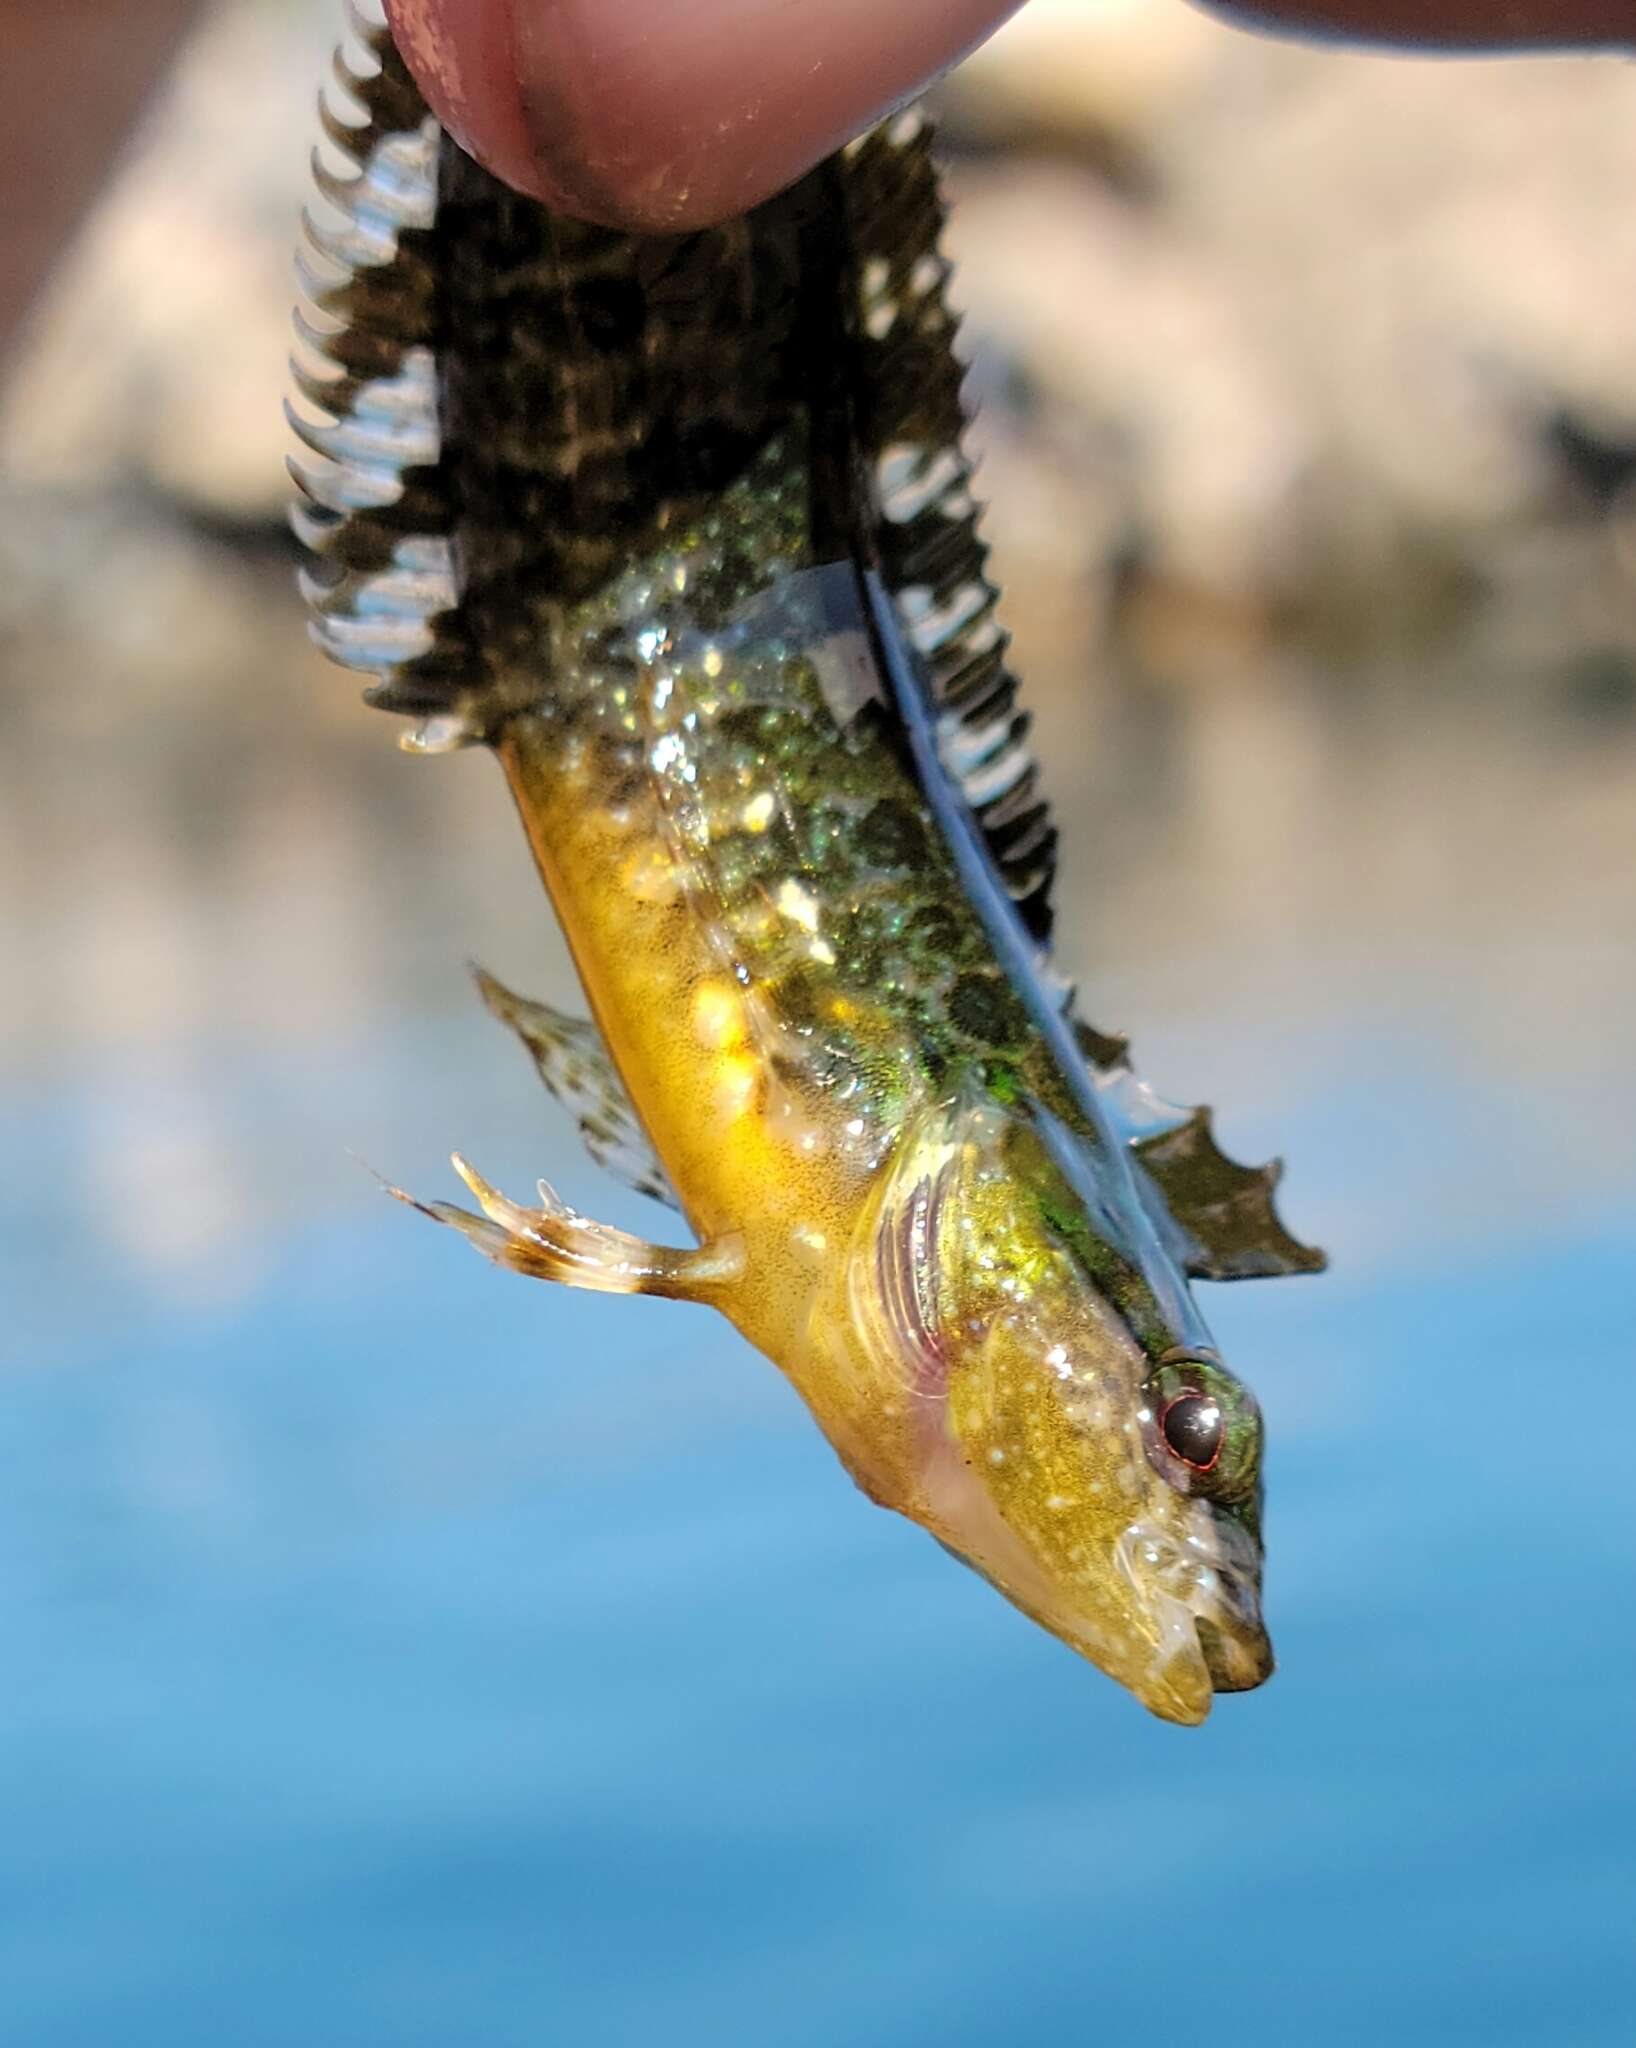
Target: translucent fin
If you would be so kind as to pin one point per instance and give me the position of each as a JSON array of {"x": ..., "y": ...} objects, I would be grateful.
[
  {"x": 1224, "y": 1211},
  {"x": 911, "y": 422},
  {"x": 573, "y": 1063},
  {"x": 554, "y": 1242}
]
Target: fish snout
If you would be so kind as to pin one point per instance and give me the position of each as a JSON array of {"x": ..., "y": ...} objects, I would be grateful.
[
  {"x": 1206, "y": 1579},
  {"x": 1236, "y": 1662}
]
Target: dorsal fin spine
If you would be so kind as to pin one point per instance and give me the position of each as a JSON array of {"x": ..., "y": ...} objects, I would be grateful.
[
  {"x": 912, "y": 419},
  {"x": 375, "y": 511}
]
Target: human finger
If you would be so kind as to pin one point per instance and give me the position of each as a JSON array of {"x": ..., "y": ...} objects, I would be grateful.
[{"x": 672, "y": 113}]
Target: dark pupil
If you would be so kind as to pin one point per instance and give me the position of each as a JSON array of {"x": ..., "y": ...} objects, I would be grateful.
[{"x": 1192, "y": 1428}]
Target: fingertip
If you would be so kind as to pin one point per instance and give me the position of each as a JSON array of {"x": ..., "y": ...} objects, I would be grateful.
[
  {"x": 463, "y": 58},
  {"x": 673, "y": 118}
]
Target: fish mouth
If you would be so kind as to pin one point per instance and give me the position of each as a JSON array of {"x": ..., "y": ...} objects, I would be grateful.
[
  {"x": 1237, "y": 1662},
  {"x": 1202, "y": 1587},
  {"x": 1197, "y": 1659}
]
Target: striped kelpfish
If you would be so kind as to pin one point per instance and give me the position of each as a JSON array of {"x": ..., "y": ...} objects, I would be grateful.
[{"x": 680, "y": 527}]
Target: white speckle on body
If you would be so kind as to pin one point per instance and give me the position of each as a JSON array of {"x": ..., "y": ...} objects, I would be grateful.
[{"x": 798, "y": 904}]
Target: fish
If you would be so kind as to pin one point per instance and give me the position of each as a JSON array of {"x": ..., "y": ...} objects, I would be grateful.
[{"x": 682, "y": 529}]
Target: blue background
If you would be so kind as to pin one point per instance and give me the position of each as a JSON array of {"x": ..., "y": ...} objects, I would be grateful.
[{"x": 399, "y": 1653}]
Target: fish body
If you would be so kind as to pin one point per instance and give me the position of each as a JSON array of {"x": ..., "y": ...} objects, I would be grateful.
[{"x": 681, "y": 528}]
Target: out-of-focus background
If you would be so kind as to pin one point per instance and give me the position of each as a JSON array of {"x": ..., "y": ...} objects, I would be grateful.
[{"x": 398, "y": 1654}]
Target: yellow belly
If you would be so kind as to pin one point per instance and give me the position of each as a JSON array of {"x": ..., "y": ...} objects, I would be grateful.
[{"x": 749, "y": 1154}]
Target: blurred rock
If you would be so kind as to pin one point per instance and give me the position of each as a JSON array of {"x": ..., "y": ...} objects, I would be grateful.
[
  {"x": 159, "y": 353},
  {"x": 1337, "y": 344},
  {"x": 1083, "y": 78}
]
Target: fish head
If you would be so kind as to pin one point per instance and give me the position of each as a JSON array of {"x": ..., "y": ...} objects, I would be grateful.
[{"x": 1106, "y": 1479}]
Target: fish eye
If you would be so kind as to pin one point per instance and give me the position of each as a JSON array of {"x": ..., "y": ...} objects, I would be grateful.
[
  {"x": 1204, "y": 1429},
  {"x": 1192, "y": 1426}
]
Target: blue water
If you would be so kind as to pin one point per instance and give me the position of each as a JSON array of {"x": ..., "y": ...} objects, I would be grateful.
[{"x": 398, "y": 1653}]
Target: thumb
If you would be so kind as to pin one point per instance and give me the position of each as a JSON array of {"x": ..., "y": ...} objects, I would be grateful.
[{"x": 670, "y": 114}]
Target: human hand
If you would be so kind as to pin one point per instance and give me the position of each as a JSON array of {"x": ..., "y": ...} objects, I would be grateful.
[
  {"x": 675, "y": 113},
  {"x": 654, "y": 112},
  {"x": 672, "y": 113}
]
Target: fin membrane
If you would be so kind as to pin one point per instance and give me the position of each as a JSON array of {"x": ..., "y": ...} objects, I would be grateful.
[
  {"x": 573, "y": 1063},
  {"x": 1224, "y": 1210}
]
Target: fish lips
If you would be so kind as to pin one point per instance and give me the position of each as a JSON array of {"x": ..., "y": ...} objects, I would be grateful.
[
  {"x": 1238, "y": 1661},
  {"x": 1202, "y": 1583}
]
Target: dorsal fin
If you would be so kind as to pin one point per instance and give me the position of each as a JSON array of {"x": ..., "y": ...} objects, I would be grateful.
[
  {"x": 376, "y": 508},
  {"x": 911, "y": 425},
  {"x": 911, "y": 420}
]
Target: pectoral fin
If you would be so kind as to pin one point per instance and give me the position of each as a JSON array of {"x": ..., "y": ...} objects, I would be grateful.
[
  {"x": 573, "y": 1063},
  {"x": 554, "y": 1242},
  {"x": 1224, "y": 1210}
]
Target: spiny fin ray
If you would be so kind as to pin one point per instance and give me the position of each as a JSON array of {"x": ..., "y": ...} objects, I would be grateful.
[
  {"x": 377, "y": 509},
  {"x": 911, "y": 421}
]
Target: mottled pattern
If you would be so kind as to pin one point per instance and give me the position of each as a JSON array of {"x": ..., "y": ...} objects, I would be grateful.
[{"x": 721, "y": 688}]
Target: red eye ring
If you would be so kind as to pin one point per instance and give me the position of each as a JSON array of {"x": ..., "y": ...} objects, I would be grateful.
[{"x": 1195, "y": 1398}]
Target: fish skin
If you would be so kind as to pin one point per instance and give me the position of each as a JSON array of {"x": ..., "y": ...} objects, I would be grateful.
[{"x": 682, "y": 530}]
